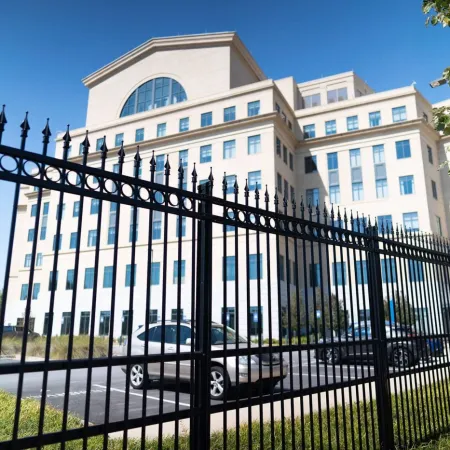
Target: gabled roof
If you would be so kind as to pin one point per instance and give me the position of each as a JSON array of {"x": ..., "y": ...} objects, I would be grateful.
[{"x": 170, "y": 43}]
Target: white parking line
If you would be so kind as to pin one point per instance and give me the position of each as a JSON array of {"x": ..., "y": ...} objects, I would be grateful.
[{"x": 141, "y": 395}]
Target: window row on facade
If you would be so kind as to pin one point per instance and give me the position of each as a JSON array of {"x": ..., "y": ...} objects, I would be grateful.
[
  {"x": 283, "y": 152},
  {"x": 398, "y": 115}
]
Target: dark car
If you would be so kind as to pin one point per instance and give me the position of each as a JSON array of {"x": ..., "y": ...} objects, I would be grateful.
[
  {"x": 12, "y": 331},
  {"x": 404, "y": 347}
]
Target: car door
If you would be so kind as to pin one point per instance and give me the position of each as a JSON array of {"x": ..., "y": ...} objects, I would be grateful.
[
  {"x": 154, "y": 348},
  {"x": 170, "y": 346}
]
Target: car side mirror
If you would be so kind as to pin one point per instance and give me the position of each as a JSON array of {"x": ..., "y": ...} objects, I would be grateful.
[{"x": 188, "y": 341}]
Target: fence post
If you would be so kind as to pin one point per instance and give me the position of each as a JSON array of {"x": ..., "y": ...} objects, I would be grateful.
[
  {"x": 378, "y": 325},
  {"x": 201, "y": 432}
]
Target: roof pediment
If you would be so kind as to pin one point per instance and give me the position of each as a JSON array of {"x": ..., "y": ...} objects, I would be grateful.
[{"x": 172, "y": 43}]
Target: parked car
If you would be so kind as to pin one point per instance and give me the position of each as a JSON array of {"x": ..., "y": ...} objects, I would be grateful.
[
  {"x": 221, "y": 373},
  {"x": 12, "y": 331},
  {"x": 401, "y": 353}
]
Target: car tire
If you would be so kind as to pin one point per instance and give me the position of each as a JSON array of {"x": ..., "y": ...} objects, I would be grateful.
[
  {"x": 331, "y": 356},
  {"x": 268, "y": 386},
  {"x": 218, "y": 383},
  {"x": 137, "y": 376},
  {"x": 401, "y": 357}
]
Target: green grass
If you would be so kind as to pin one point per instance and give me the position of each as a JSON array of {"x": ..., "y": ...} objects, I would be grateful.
[
  {"x": 350, "y": 425},
  {"x": 58, "y": 348}
]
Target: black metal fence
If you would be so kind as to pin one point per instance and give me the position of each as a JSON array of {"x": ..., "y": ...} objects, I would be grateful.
[{"x": 337, "y": 327}]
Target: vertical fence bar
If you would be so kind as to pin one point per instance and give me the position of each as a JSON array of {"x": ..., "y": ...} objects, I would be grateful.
[
  {"x": 203, "y": 322},
  {"x": 384, "y": 407}
]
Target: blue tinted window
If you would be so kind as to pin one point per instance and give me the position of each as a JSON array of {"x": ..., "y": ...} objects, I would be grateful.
[
  {"x": 231, "y": 180},
  {"x": 59, "y": 242},
  {"x": 330, "y": 127},
  {"x": 39, "y": 260},
  {"x": 253, "y": 108},
  {"x": 385, "y": 221},
  {"x": 92, "y": 238},
  {"x": 309, "y": 131},
  {"x": 229, "y": 149},
  {"x": 361, "y": 272},
  {"x": 108, "y": 277},
  {"x": 156, "y": 234},
  {"x": 73, "y": 240},
  {"x": 89, "y": 278},
  {"x": 352, "y": 123},
  {"x": 33, "y": 210},
  {"x": 407, "y": 185},
  {"x": 254, "y": 144},
  {"x": 155, "y": 273},
  {"x": 118, "y": 140},
  {"x": 27, "y": 260},
  {"x": 184, "y": 124},
  {"x": 253, "y": 269},
  {"x": 399, "y": 114},
  {"x": 36, "y": 291},
  {"x": 70, "y": 279},
  {"x": 76, "y": 209},
  {"x": 128, "y": 275},
  {"x": 332, "y": 161},
  {"x": 206, "y": 119},
  {"x": 205, "y": 153},
  {"x": 111, "y": 235},
  {"x": 139, "y": 136},
  {"x": 411, "y": 221},
  {"x": 254, "y": 180},
  {"x": 381, "y": 188},
  {"x": 229, "y": 269},
  {"x": 183, "y": 227},
  {"x": 403, "y": 149},
  {"x": 179, "y": 277},
  {"x": 375, "y": 119},
  {"x": 161, "y": 130},
  {"x": 312, "y": 197},
  {"x": 339, "y": 274},
  {"x": 24, "y": 292},
  {"x": 99, "y": 144},
  {"x": 415, "y": 271},
  {"x": 335, "y": 194},
  {"x": 388, "y": 271},
  {"x": 229, "y": 114},
  {"x": 95, "y": 202}
]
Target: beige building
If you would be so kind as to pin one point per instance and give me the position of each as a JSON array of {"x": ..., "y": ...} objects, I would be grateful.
[{"x": 203, "y": 99}]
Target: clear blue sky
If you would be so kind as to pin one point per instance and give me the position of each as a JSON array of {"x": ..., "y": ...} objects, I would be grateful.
[{"x": 47, "y": 46}]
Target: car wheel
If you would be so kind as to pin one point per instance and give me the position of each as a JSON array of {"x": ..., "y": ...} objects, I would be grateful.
[
  {"x": 401, "y": 357},
  {"x": 268, "y": 386},
  {"x": 137, "y": 376},
  {"x": 218, "y": 380},
  {"x": 331, "y": 356}
]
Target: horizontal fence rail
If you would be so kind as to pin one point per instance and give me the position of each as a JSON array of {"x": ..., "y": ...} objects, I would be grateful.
[{"x": 194, "y": 314}]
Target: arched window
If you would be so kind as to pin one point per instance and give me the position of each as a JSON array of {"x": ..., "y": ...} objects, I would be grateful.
[{"x": 155, "y": 93}]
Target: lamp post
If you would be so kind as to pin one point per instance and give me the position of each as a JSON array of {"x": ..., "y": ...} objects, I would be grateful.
[{"x": 438, "y": 82}]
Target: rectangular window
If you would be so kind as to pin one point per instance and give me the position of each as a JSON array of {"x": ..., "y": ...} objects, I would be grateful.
[
  {"x": 57, "y": 211},
  {"x": 335, "y": 194},
  {"x": 254, "y": 144},
  {"x": 285, "y": 153},
  {"x": 89, "y": 278},
  {"x": 281, "y": 267},
  {"x": 278, "y": 146},
  {"x": 312, "y": 197},
  {"x": 184, "y": 124},
  {"x": 384, "y": 222},
  {"x": 439, "y": 225},
  {"x": 85, "y": 318},
  {"x": 39, "y": 260},
  {"x": 183, "y": 227},
  {"x": 229, "y": 149},
  {"x": 332, "y": 159},
  {"x": 70, "y": 280},
  {"x": 415, "y": 271},
  {"x": 286, "y": 190},
  {"x": 27, "y": 260},
  {"x": 108, "y": 277},
  {"x": 253, "y": 267},
  {"x": 381, "y": 188},
  {"x": 95, "y": 203},
  {"x": 80, "y": 148},
  {"x": 388, "y": 270},
  {"x": 314, "y": 275},
  {"x": 399, "y": 114},
  {"x": 73, "y": 240},
  {"x": 205, "y": 153},
  {"x": 411, "y": 221},
  {"x": 118, "y": 140},
  {"x": 310, "y": 164},
  {"x": 375, "y": 119},
  {"x": 434, "y": 189},
  {"x": 407, "y": 185},
  {"x": 24, "y": 292},
  {"x": 291, "y": 161},
  {"x": 229, "y": 114},
  {"x": 254, "y": 180},
  {"x": 361, "y": 272},
  {"x": 352, "y": 123},
  {"x": 330, "y": 127},
  {"x": 66, "y": 323},
  {"x": 99, "y": 144},
  {"x": 53, "y": 281},
  {"x": 105, "y": 320},
  {"x": 30, "y": 237},
  {"x": 33, "y": 210},
  {"x": 156, "y": 233},
  {"x": 355, "y": 158},
  {"x": 92, "y": 238},
  {"x": 76, "y": 209},
  {"x": 339, "y": 274},
  {"x": 255, "y": 321},
  {"x": 309, "y": 131},
  {"x": 337, "y": 95},
  {"x": 139, "y": 136},
  {"x": 231, "y": 180},
  {"x": 403, "y": 149},
  {"x": 357, "y": 191},
  {"x": 206, "y": 119},
  {"x": 253, "y": 108},
  {"x": 356, "y": 170},
  {"x": 111, "y": 235},
  {"x": 128, "y": 275},
  {"x": 36, "y": 291},
  {"x": 155, "y": 273},
  {"x": 430, "y": 154},
  {"x": 229, "y": 269},
  {"x": 134, "y": 228},
  {"x": 279, "y": 183},
  {"x": 59, "y": 242},
  {"x": 176, "y": 315},
  {"x": 179, "y": 277},
  {"x": 44, "y": 222},
  {"x": 161, "y": 129},
  {"x": 309, "y": 101},
  {"x": 380, "y": 171}
]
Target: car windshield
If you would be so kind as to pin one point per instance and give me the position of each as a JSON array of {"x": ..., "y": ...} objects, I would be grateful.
[{"x": 217, "y": 335}]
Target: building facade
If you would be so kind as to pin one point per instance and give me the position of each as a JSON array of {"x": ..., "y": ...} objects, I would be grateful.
[{"x": 203, "y": 99}]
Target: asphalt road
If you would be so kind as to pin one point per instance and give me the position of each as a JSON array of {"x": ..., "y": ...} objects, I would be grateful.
[{"x": 305, "y": 368}]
